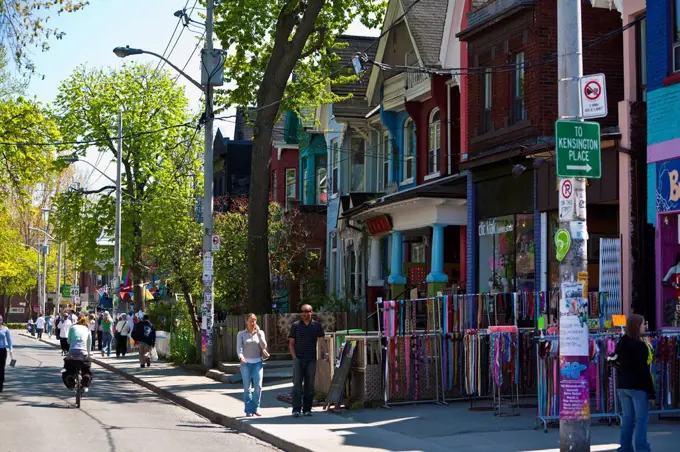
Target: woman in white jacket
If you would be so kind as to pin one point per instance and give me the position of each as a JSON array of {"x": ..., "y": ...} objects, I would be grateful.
[
  {"x": 122, "y": 333},
  {"x": 63, "y": 333}
]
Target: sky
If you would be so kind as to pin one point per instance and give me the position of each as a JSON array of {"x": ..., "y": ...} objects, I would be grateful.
[{"x": 91, "y": 35}]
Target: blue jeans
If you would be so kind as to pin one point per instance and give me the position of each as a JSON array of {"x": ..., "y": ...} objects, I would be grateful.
[
  {"x": 635, "y": 405},
  {"x": 106, "y": 343},
  {"x": 303, "y": 370},
  {"x": 251, "y": 398}
]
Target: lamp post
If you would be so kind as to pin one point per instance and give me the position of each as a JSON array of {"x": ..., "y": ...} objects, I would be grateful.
[
  {"x": 211, "y": 78},
  {"x": 42, "y": 291}
]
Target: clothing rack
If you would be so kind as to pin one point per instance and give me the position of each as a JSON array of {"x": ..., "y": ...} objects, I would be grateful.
[
  {"x": 411, "y": 356},
  {"x": 504, "y": 357}
]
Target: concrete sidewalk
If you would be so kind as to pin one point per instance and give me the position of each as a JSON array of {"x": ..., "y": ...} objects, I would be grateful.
[{"x": 407, "y": 428}]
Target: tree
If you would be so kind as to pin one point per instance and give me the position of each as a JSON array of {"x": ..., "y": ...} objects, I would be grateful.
[
  {"x": 24, "y": 24},
  {"x": 155, "y": 125},
  {"x": 268, "y": 42},
  {"x": 17, "y": 263}
]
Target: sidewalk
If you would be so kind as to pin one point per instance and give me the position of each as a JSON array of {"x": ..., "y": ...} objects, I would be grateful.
[{"x": 406, "y": 428}]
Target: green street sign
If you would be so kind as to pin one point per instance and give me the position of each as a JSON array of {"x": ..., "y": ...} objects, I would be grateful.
[
  {"x": 66, "y": 290},
  {"x": 577, "y": 145}
]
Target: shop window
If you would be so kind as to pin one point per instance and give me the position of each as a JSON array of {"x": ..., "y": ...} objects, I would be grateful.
[
  {"x": 417, "y": 253},
  {"x": 357, "y": 156},
  {"x": 409, "y": 151},
  {"x": 434, "y": 143},
  {"x": 335, "y": 173},
  {"x": 518, "y": 89},
  {"x": 507, "y": 254}
]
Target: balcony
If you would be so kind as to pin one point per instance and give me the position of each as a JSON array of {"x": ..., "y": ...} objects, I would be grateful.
[
  {"x": 417, "y": 85},
  {"x": 394, "y": 90}
]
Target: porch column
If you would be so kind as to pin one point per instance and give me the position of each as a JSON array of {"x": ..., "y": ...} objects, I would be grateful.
[
  {"x": 396, "y": 279},
  {"x": 437, "y": 279},
  {"x": 375, "y": 282}
]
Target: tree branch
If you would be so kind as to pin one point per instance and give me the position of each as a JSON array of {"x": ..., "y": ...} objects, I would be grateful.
[
  {"x": 318, "y": 45},
  {"x": 99, "y": 190}
]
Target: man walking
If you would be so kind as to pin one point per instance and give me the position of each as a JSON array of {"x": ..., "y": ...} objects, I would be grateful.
[
  {"x": 40, "y": 325},
  {"x": 302, "y": 340},
  {"x": 145, "y": 334}
]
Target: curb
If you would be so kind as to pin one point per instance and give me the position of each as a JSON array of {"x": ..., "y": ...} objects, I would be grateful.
[{"x": 211, "y": 415}]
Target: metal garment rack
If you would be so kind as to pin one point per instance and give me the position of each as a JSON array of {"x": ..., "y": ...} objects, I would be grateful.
[{"x": 435, "y": 355}]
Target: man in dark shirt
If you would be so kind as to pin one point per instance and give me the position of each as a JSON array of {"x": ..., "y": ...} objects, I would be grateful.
[{"x": 302, "y": 340}]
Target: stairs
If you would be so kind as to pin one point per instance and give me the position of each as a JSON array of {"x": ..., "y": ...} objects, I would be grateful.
[{"x": 274, "y": 370}]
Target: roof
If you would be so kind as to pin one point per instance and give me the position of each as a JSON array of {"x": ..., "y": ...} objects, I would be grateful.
[
  {"x": 243, "y": 129},
  {"x": 357, "y": 106},
  {"x": 426, "y": 24}
]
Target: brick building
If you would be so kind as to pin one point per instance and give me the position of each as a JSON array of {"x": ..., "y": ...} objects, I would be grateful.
[{"x": 511, "y": 113}]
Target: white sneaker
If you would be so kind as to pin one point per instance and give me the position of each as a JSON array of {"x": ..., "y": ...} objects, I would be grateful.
[{"x": 86, "y": 389}]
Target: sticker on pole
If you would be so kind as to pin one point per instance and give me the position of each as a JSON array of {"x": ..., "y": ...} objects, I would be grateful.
[
  {"x": 562, "y": 243},
  {"x": 567, "y": 200},
  {"x": 593, "y": 96},
  {"x": 215, "y": 242}
]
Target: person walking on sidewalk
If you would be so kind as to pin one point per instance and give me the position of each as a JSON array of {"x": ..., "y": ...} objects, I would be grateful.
[
  {"x": 40, "y": 325},
  {"x": 145, "y": 334},
  {"x": 63, "y": 333},
  {"x": 92, "y": 325},
  {"x": 5, "y": 348},
  {"x": 635, "y": 386},
  {"x": 49, "y": 320},
  {"x": 249, "y": 345},
  {"x": 107, "y": 334},
  {"x": 302, "y": 341},
  {"x": 122, "y": 332},
  {"x": 100, "y": 333}
]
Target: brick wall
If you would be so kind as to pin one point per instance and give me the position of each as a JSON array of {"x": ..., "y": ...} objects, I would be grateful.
[
  {"x": 658, "y": 43},
  {"x": 534, "y": 32}
]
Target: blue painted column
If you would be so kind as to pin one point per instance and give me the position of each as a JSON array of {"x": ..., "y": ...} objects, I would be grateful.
[
  {"x": 396, "y": 277},
  {"x": 437, "y": 274}
]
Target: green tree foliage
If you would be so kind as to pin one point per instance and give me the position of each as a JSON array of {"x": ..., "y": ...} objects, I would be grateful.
[
  {"x": 268, "y": 41},
  {"x": 24, "y": 24},
  {"x": 156, "y": 139},
  {"x": 17, "y": 263}
]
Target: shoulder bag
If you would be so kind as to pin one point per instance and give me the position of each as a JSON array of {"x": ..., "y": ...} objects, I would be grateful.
[{"x": 264, "y": 354}]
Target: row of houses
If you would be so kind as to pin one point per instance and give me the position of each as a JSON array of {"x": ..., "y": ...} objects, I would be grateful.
[{"x": 444, "y": 179}]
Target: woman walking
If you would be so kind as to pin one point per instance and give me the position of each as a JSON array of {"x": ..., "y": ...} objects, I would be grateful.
[
  {"x": 122, "y": 332},
  {"x": 107, "y": 334},
  {"x": 5, "y": 348},
  {"x": 249, "y": 345},
  {"x": 635, "y": 386},
  {"x": 92, "y": 323},
  {"x": 63, "y": 333}
]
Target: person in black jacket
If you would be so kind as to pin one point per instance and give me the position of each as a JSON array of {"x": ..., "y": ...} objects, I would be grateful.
[
  {"x": 635, "y": 386},
  {"x": 145, "y": 334}
]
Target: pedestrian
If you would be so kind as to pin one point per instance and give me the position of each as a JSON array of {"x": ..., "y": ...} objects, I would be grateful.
[
  {"x": 145, "y": 334},
  {"x": 303, "y": 338},
  {"x": 249, "y": 345},
  {"x": 107, "y": 334},
  {"x": 50, "y": 326},
  {"x": 100, "y": 332},
  {"x": 92, "y": 324},
  {"x": 29, "y": 327},
  {"x": 122, "y": 332},
  {"x": 63, "y": 333},
  {"x": 635, "y": 386},
  {"x": 5, "y": 348},
  {"x": 40, "y": 325},
  {"x": 57, "y": 326}
]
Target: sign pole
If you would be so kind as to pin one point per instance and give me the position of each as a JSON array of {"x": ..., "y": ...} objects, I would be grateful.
[{"x": 571, "y": 243}]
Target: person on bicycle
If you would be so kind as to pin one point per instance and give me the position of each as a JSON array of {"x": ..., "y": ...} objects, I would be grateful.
[{"x": 80, "y": 344}]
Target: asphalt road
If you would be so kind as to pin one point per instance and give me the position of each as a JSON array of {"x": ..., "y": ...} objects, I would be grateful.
[{"x": 38, "y": 413}]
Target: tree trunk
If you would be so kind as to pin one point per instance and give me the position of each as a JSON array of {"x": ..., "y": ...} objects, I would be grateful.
[
  {"x": 285, "y": 55},
  {"x": 191, "y": 307}
]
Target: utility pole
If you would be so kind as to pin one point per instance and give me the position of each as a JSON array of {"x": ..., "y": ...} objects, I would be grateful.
[
  {"x": 117, "y": 270},
  {"x": 58, "y": 294},
  {"x": 574, "y": 385},
  {"x": 43, "y": 304},
  {"x": 208, "y": 307},
  {"x": 39, "y": 290}
]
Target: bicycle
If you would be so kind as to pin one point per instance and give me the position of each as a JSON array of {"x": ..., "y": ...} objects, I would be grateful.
[{"x": 79, "y": 386}]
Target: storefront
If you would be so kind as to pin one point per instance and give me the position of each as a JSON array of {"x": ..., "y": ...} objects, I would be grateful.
[
  {"x": 667, "y": 189},
  {"x": 506, "y": 232}
]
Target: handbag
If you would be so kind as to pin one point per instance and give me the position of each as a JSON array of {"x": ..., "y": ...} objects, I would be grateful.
[
  {"x": 154, "y": 354},
  {"x": 264, "y": 354}
]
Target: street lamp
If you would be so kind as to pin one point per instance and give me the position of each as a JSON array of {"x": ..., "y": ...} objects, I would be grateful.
[{"x": 211, "y": 60}]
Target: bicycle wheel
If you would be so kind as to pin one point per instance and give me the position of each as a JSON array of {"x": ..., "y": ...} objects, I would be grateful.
[{"x": 78, "y": 388}]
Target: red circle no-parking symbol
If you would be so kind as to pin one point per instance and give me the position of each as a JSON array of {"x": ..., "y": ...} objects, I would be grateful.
[
  {"x": 566, "y": 188},
  {"x": 592, "y": 90}
]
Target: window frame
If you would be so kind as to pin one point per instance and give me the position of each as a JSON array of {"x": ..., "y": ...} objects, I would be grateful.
[
  {"x": 362, "y": 151},
  {"x": 320, "y": 180},
  {"x": 290, "y": 187},
  {"x": 335, "y": 170},
  {"x": 517, "y": 107},
  {"x": 487, "y": 103},
  {"x": 434, "y": 152},
  {"x": 641, "y": 58},
  {"x": 409, "y": 151},
  {"x": 384, "y": 166}
]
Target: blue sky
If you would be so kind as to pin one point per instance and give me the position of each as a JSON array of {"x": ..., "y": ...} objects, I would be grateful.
[{"x": 91, "y": 35}]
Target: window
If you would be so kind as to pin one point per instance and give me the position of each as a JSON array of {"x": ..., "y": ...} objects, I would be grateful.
[
  {"x": 641, "y": 38},
  {"x": 274, "y": 186},
  {"x": 321, "y": 190},
  {"x": 434, "y": 143},
  {"x": 486, "y": 90},
  {"x": 418, "y": 253},
  {"x": 384, "y": 162},
  {"x": 335, "y": 174},
  {"x": 291, "y": 185},
  {"x": 676, "y": 35},
  {"x": 409, "y": 151},
  {"x": 518, "y": 89},
  {"x": 333, "y": 267},
  {"x": 357, "y": 154}
]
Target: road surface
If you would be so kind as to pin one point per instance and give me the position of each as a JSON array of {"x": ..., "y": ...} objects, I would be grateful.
[{"x": 38, "y": 414}]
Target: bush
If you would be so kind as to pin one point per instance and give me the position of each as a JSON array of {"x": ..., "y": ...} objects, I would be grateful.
[{"x": 15, "y": 326}]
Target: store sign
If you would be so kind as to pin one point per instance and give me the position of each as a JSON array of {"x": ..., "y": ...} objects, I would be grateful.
[
  {"x": 66, "y": 290},
  {"x": 16, "y": 310},
  {"x": 668, "y": 185},
  {"x": 490, "y": 227},
  {"x": 380, "y": 224}
]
